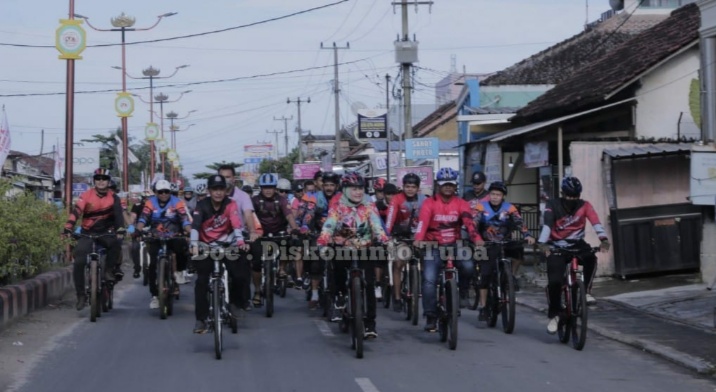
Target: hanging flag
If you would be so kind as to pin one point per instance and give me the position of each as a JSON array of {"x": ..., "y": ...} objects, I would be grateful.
[
  {"x": 131, "y": 158},
  {"x": 4, "y": 137},
  {"x": 58, "y": 162}
]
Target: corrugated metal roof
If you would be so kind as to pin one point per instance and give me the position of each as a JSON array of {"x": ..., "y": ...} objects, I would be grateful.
[
  {"x": 380, "y": 146},
  {"x": 493, "y": 110},
  {"x": 646, "y": 150}
]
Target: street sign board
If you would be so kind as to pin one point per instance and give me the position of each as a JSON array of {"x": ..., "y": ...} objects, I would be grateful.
[
  {"x": 424, "y": 172},
  {"x": 422, "y": 148},
  {"x": 372, "y": 124},
  {"x": 79, "y": 188},
  {"x": 305, "y": 171}
]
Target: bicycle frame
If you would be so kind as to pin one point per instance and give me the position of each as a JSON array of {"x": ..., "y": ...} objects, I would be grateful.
[{"x": 96, "y": 260}]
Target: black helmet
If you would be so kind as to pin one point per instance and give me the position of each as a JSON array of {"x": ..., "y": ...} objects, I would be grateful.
[
  {"x": 298, "y": 187},
  {"x": 498, "y": 186},
  {"x": 216, "y": 181},
  {"x": 113, "y": 185},
  {"x": 478, "y": 177},
  {"x": 331, "y": 177},
  {"x": 317, "y": 175},
  {"x": 390, "y": 189},
  {"x": 411, "y": 178},
  {"x": 571, "y": 186},
  {"x": 248, "y": 189}
]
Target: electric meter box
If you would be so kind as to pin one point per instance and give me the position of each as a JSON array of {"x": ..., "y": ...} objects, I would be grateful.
[{"x": 406, "y": 52}]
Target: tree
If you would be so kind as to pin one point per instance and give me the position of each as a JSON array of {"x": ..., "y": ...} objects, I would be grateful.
[
  {"x": 282, "y": 166},
  {"x": 214, "y": 167}
]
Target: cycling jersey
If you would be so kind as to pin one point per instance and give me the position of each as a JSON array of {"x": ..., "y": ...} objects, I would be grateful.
[
  {"x": 169, "y": 218},
  {"x": 99, "y": 212},
  {"x": 495, "y": 223},
  {"x": 382, "y": 207},
  {"x": 562, "y": 227},
  {"x": 402, "y": 216},
  {"x": 359, "y": 221},
  {"x": 212, "y": 225},
  {"x": 305, "y": 211},
  {"x": 471, "y": 196},
  {"x": 273, "y": 213},
  {"x": 441, "y": 220}
]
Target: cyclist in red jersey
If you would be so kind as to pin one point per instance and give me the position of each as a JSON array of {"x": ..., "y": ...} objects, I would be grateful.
[
  {"x": 401, "y": 223},
  {"x": 101, "y": 212},
  {"x": 441, "y": 218},
  {"x": 216, "y": 218},
  {"x": 565, "y": 220}
]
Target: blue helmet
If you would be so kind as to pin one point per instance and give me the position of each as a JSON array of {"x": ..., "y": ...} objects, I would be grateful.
[
  {"x": 571, "y": 186},
  {"x": 447, "y": 175},
  {"x": 268, "y": 180},
  {"x": 188, "y": 189}
]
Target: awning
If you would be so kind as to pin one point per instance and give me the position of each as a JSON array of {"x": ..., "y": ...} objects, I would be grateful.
[
  {"x": 543, "y": 124},
  {"x": 647, "y": 150}
]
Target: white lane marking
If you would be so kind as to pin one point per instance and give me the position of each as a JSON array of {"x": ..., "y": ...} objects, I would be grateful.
[
  {"x": 366, "y": 385},
  {"x": 324, "y": 328}
]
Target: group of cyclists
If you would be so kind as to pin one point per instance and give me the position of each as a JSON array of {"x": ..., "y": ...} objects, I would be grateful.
[{"x": 332, "y": 210}]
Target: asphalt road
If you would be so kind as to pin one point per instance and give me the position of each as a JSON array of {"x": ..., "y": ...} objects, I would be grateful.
[{"x": 131, "y": 349}]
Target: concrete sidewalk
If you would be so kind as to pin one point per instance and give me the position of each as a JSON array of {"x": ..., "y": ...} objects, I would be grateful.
[{"x": 671, "y": 317}]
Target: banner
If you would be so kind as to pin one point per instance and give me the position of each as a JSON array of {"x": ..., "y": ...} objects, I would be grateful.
[
  {"x": 254, "y": 154},
  {"x": 536, "y": 154},
  {"x": 85, "y": 160},
  {"x": 372, "y": 124},
  {"x": 379, "y": 161},
  {"x": 59, "y": 163},
  {"x": 426, "y": 177},
  {"x": 422, "y": 148},
  {"x": 305, "y": 171},
  {"x": 130, "y": 155},
  {"x": 493, "y": 163},
  {"x": 4, "y": 138}
]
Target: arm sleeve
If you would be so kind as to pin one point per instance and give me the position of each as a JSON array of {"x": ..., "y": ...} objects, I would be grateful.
[
  {"x": 235, "y": 219},
  {"x": 392, "y": 214},
  {"x": 118, "y": 212},
  {"x": 593, "y": 218},
  {"x": 182, "y": 212},
  {"x": 197, "y": 222},
  {"x": 548, "y": 224},
  {"x": 329, "y": 227},
  {"x": 76, "y": 213},
  {"x": 146, "y": 215},
  {"x": 518, "y": 222},
  {"x": 424, "y": 220},
  {"x": 376, "y": 227},
  {"x": 466, "y": 215}
]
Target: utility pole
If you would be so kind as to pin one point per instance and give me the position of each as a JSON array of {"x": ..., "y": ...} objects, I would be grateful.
[
  {"x": 285, "y": 130},
  {"x": 387, "y": 126},
  {"x": 406, "y": 53},
  {"x": 275, "y": 132},
  {"x": 336, "y": 92},
  {"x": 298, "y": 102}
]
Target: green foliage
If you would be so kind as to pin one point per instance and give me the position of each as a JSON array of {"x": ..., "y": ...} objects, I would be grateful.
[
  {"x": 282, "y": 166},
  {"x": 29, "y": 232},
  {"x": 214, "y": 167},
  {"x": 695, "y": 101}
]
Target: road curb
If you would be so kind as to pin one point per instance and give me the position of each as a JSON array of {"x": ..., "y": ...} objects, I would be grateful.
[
  {"x": 27, "y": 296},
  {"x": 696, "y": 364}
]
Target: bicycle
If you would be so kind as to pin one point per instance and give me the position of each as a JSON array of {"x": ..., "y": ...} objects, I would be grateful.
[
  {"x": 167, "y": 287},
  {"x": 573, "y": 317},
  {"x": 144, "y": 261},
  {"x": 410, "y": 283},
  {"x": 99, "y": 290},
  {"x": 501, "y": 290},
  {"x": 269, "y": 283},
  {"x": 219, "y": 310},
  {"x": 448, "y": 304},
  {"x": 353, "y": 316}
]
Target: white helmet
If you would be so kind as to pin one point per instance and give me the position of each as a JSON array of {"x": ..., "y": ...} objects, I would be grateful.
[
  {"x": 201, "y": 189},
  {"x": 174, "y": 187},
  {"x": 284, "y": 185},
  {"x": 162, "y": 185}
]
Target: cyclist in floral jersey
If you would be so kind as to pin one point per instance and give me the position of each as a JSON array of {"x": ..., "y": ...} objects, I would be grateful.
[{"x": 354, "y": 223}]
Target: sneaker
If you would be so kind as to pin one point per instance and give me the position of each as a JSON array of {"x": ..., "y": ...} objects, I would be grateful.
[
  {"x": 81, "y": 301},
  {"x": 154, "y": 303},
  {"x": 336, "y": 315},
  {"x": 312, "y": 305},
  {"x": 398, "y": 305},
  {"x": 591, "y": 300},
  {"x": 481, "y": 315},
  {"x": 552, "y": 325},
  {"x": 118, "y": 274},
  {"x": 299, "y": 284},
  {"x": 378, "y": 293},
  {"x": 370, "y": 332},
  {"x": 247, "y": 306},
  {"x": 306, "y": 284},
  {"x": 290, "y": 282},
  {"x": 340, "y": 303},
  {"x": 109, "y": 276},
  {"x": 200, "y": 327},
  {"x": 257, "y": 300},
  {"x": 135, "y": 275},
  {"x": 187, "y": 277},
  {"x": 431, "y": 325},
  {"x": 179, "y": 278}
]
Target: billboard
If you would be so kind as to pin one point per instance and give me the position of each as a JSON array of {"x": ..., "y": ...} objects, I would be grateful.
[
  {"x": 372, "y": 124},
  {"x": 305, "y": 171},
  {"x": 254, "y": 154},
  {"x": 85, "y": 160},
  {"x": 422, "y": 148}
]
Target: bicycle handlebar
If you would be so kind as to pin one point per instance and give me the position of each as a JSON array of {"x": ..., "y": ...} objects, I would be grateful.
[{"x": 94, "y": 236}]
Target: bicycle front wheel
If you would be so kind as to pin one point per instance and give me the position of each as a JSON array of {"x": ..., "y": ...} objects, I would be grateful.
[
  {"x": 564, "y": 326},
  {"x": 492, "y": 306},
  {"x": 452, "y": 302},
  {"x": 268, "y": 286},
  {"x": 415, "y": 293},
  {"x": 218, "y": 324},
  {"x": 507, "y": 300},
  {"x": 145, "y": 266},
  {"x": 94, "y": 290},
  {"x": 162, "y": 287},
  {"x": 579, "y": 315},
  {"x": 357, "y": 313}
]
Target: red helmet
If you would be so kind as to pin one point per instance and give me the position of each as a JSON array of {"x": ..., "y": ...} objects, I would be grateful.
[
  {"x": 379, "y": 184},
  {"x": 102, "y": 172},
  {"x": 352, "y": 179}
]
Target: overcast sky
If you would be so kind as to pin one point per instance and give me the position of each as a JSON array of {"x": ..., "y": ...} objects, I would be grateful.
[{"x": 484, "y": 35}]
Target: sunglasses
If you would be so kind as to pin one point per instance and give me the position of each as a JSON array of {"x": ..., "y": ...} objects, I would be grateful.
[
  {"x": 101, "y": 178},
  {"x": 281, "y": 191},
  {"x": 163, "y": 192}
]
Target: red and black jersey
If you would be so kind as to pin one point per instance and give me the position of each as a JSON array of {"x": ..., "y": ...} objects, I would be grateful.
[
  {"x": 402, "y": 217},
  {"x": 99, "y": 212},
  {"x": 441, "y": 220},
  {"x": 217, "y": 224},
  {"x": 562, "y": 227}
]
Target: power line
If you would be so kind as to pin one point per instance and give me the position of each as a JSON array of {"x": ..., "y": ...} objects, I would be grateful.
[{"x": 195, "y": 34}]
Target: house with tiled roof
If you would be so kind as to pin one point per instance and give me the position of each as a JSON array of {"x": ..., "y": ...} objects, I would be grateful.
[
  {"x": 31, "y": 172},
  {"x": 624, "y": 124}
]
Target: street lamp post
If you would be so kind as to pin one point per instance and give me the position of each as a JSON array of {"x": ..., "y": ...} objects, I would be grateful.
[
  {"x": 171, "y": 116},
  {"x": 124, "y": 23},
  {"x": 298, "y": 102}
]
